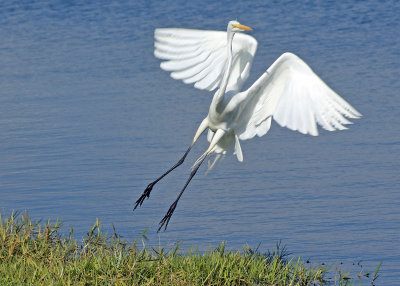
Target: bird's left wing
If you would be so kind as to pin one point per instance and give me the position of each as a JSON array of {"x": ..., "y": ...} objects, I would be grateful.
[
  {"x": 200, "y": 57},
  {"x": 295, "y": 97}
]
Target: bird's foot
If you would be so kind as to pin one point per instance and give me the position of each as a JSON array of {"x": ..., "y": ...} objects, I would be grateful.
[
  {"x": 167, "y": 217},
  {"x": 146, "y": 194}
]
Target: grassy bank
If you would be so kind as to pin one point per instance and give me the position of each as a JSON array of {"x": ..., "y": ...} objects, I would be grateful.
[{"x": 36, "y": 253}]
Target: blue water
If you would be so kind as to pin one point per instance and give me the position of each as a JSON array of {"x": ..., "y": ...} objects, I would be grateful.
[{"x": 88, "y": 119}]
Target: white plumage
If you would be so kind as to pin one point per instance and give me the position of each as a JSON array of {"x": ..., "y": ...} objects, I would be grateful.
[
  {"x": 288, "y": 92},
  {"x": 201, "y": 57}
]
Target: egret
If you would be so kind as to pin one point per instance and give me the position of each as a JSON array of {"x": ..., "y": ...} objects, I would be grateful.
[{"x": 288, "y": 92}]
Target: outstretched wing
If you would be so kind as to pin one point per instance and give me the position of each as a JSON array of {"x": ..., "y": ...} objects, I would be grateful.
[
  {"x": 200, "y": 57},
  {"x": 291, "y": 93}
]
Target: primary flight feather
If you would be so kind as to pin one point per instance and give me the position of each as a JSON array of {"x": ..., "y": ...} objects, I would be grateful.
[{"x": 288, "y": 92}]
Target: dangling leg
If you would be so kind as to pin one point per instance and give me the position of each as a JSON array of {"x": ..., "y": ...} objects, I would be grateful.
[
  {"x": 218, "y": 135},
  {"x": 203, "y": 126},
  {"x": 210, "y": 166}
]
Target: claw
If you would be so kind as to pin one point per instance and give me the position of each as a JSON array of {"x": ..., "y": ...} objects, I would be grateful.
[
  {"x": 147, "y": 191},
  {"x": 146, "y": 194},
  {"x": 167, "y": 217}
]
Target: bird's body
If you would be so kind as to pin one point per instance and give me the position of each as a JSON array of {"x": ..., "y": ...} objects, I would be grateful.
[{"x": 288, "y": 92}]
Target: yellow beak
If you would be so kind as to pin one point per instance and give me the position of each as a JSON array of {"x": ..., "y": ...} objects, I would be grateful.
[{"x": 242, "y": 27}]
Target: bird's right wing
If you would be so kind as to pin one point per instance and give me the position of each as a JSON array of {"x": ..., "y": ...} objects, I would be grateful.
[
  {"x": 295, "y": 97},
  {"x": 200, "y": 57}
]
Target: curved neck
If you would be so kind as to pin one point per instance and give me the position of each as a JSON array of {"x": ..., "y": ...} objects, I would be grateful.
[
  {"x": 225, "y": 79},
  {"x": 219, "y": 95}
]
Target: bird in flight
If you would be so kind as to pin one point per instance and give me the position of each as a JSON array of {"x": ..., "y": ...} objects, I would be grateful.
[{"x": 288, "y": 92}]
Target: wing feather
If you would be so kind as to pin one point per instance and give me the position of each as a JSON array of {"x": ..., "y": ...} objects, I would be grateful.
[
  {"x": 199, "y": 57},
  {"x": 185, "y": 64},
  {"x": 196, "y": 73},
  {"x": 295, "y": 97},
  {"x": 166, "y": 52}
]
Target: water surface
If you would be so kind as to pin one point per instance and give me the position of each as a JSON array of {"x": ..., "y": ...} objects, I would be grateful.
[{"x": 88, "y": 119}]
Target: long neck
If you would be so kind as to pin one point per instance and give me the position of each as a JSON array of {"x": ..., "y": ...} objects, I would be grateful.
[{"x": 219, "y": 95}]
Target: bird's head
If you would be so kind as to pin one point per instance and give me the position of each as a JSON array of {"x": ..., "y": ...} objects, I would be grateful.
[{"x": 235, "y": 26}]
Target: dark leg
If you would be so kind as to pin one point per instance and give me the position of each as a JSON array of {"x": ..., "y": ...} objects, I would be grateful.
[
  {"x": 218, "y": 135},
  {"x": 171, "y": 210},
  {"x": 146, "y": 194},
  {"x": 147, "y": 191}
]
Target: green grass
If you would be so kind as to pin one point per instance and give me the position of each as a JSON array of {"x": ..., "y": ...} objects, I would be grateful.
[{"x": 33, "y": 253}]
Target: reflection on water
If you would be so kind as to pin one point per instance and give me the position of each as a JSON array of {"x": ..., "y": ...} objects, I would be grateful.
[{"x": 87, "y": 119}]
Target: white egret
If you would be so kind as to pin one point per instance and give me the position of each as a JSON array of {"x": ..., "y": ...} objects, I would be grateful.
[{"x": 288, "y": 92}]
